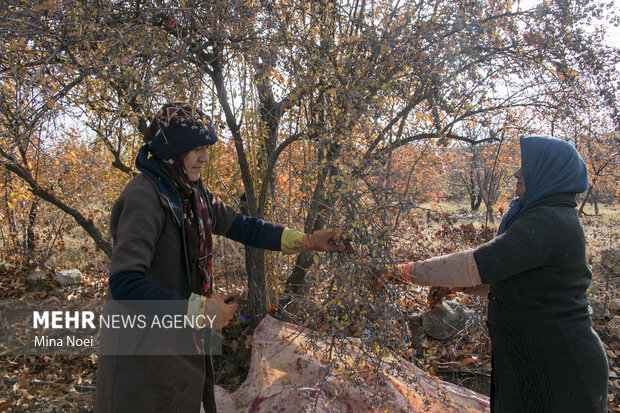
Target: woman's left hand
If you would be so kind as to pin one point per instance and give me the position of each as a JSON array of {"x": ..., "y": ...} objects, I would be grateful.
[
  {"x": 437, "y": 294},
  {"x": 228, "y": 306},
  {"x": 328, "y": 240}
]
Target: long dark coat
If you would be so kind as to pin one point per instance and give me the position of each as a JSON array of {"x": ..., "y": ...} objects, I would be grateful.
[
  {"x": 148, "y": 239},
  {"x": 546, "y": 356}
]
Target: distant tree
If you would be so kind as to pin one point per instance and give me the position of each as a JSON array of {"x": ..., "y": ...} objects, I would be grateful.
[{"x": 602, "y": 156}]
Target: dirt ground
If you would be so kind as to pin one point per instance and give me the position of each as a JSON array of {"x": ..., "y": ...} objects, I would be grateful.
[{"x": 65, "y": 384}]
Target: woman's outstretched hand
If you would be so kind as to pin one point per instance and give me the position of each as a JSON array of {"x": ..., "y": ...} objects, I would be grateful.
[
  {"x": 229, "y": 306},
  {"x": 327, "y": 240},
  {"x": 400, "y": 273}
]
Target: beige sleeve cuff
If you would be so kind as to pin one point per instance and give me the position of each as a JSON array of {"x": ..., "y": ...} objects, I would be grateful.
[
  {"x": 452, "y": 270},
  {"x": 196, "y": 305},
  {"x": 291, "y": 241}
]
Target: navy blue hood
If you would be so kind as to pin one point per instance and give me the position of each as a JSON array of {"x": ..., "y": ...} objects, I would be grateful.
[{"x": 550, "y": 166}]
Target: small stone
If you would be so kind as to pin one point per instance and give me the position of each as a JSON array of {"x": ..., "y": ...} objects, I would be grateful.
[
  {"x": 610, "y": 260},
  {"x": 598, "y": 310},
  {"x": 35, "y": 278},
  {"x": 445, "y": 320},
  {"x": 6, "y": 267},
  {"x": 614, "y": 326},
  {"x": 615, "y": 304},
  {"x": 68, "y": 277}
]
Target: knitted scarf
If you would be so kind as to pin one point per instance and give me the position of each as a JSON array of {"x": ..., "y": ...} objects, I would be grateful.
[{"x": 196, "y": 223}]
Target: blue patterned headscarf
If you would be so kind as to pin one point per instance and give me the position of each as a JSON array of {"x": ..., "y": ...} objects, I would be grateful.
[
  {"x": 550, "y": 166},
  {"x": 176, "y": 128}
]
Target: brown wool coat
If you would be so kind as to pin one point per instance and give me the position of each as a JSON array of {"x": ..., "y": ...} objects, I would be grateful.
[{"x": 146, "y": 238}]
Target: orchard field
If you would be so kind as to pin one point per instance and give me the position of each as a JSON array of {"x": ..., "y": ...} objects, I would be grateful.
[{"x": 395, "y": 121}]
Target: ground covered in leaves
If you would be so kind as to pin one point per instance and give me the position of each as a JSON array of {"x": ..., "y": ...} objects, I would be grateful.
[{"x": 66, "y": 384}]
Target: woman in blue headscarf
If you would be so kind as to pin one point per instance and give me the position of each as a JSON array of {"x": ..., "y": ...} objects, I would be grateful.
[{"x": 546, "y": 356}]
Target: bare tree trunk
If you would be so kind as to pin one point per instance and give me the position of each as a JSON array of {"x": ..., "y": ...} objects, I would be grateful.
[
  {"x": 255, "y": 258},
  {"x": 10, "y": 218},
  {"x": 295, "y": 283},
  {"x": 595, "y": 198},
  {"x": 586, "y": 197},
  {"x": 29, "y": 238},
  {"x": 257, "y": 301}
]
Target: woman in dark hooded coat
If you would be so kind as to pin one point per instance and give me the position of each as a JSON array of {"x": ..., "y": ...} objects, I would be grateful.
[
  {"x": 162, "y": 226},
  {"x": 546, "y": 356}
]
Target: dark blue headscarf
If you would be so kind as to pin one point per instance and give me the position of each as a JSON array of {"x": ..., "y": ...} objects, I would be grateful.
[
  {"x": 176, "y": 128},
  {"x": 549, "y": 166}
]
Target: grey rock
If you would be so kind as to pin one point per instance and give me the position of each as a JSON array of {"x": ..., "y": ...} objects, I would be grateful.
[
  {"x": 68, "y": 277},
  {"x": 615, "y": 304},
  {"x": 5, "y": 266},
  {"x": 614, "y": 326},
  {"x": 610, "y": 260},
  {"x": 35, "y": 278},
  {"x": 445, "y": 320},
  {"x": 598, "y": 310}
]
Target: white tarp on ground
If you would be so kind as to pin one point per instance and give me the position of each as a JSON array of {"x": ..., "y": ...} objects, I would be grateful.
[{"x": 286, "y": 376}]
